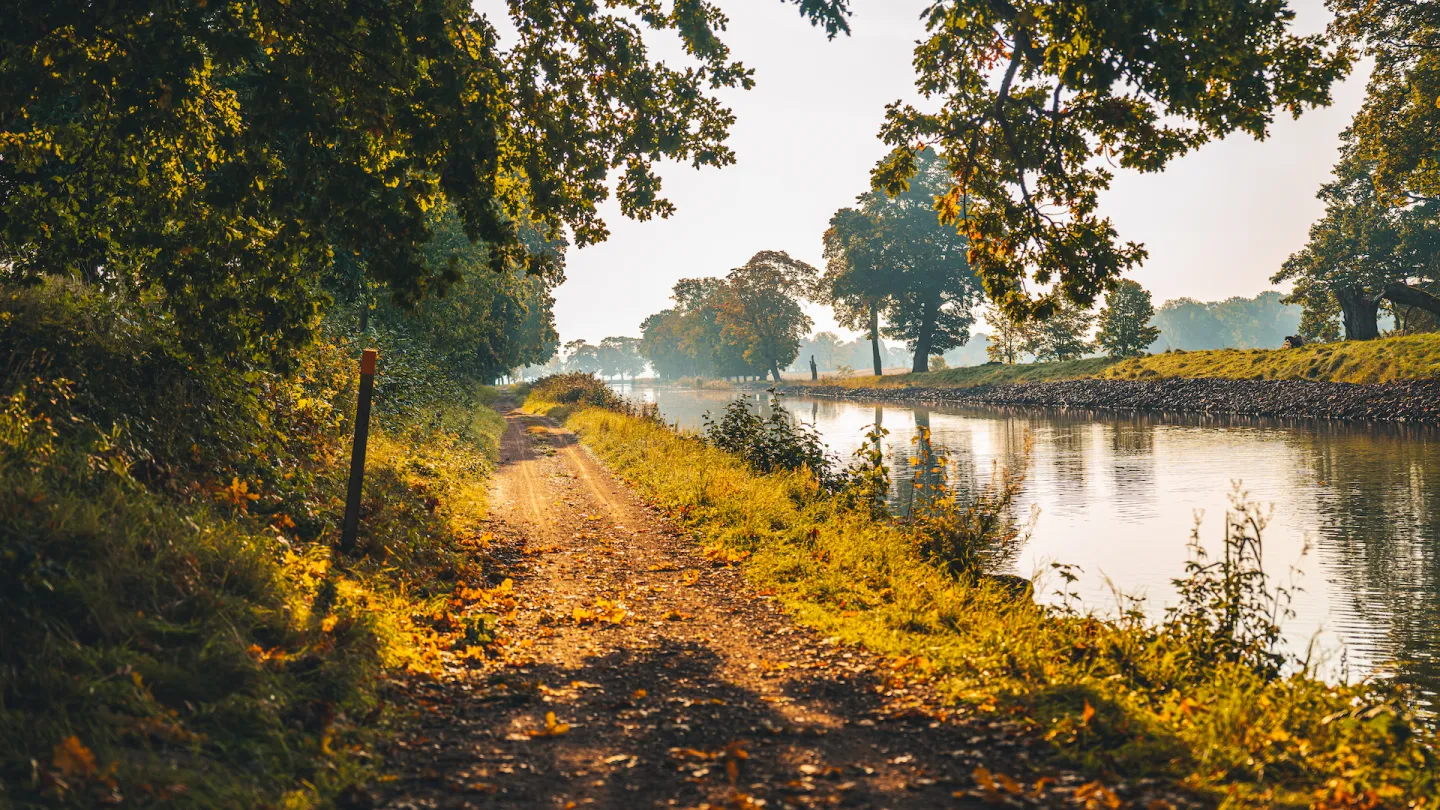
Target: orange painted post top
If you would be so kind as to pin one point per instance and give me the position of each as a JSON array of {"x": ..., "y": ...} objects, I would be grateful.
[{"x": 367, "y": 361}]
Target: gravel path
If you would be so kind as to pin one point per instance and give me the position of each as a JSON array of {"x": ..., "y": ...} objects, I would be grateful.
[{"x": 672, "y": 682}]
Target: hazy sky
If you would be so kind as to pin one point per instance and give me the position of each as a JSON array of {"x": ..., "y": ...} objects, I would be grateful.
[{"x": 1217, "y": 223}]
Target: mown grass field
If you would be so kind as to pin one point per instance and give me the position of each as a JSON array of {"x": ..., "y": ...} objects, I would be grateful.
[
  {"x": 1122, "y": 698},
  {"x": 176, "y": 628},
  {"x": 1412, "y": 357}
]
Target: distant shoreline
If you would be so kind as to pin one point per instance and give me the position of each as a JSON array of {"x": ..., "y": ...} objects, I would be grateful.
[{"x": 1406, "y": 402}]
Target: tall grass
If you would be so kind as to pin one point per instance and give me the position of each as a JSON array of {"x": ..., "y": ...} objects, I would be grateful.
[
  {"x": 1121, "y": 697},
  {"x": 174, "y": 625}
]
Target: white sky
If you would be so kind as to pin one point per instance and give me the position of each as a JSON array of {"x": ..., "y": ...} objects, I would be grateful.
[{"x": 1217, "y": 223}]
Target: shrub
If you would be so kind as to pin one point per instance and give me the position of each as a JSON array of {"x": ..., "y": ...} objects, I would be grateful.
[{"x": 772, "y": 443}]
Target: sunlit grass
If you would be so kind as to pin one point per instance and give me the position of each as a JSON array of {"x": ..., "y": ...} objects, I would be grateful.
[
  {"x": 175, "y": 626},
  {"x": 1160, "y": 708},
  {"x": 1412, "y": 357}
]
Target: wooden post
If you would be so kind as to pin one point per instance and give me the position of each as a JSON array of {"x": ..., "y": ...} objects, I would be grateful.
[{"x": 357, "y": 451}]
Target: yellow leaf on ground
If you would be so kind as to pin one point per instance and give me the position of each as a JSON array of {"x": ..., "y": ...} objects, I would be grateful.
[
  {"x": 1095, "y": 796},
  {"x": 983, "y": 778},
  {"x": 1009, "y": 784},
  {"x": 553, "y": 727},
  {"x": 690, "y": 577},
  {"x": 72, "y": 758}
]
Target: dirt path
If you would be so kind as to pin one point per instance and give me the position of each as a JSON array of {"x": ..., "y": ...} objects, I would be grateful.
[{"x": 687, "y": 688}]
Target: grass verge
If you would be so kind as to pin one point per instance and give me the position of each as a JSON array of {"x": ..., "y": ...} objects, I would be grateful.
[
  {"x": 174, "y": 624},
  {"x": 1411, "y": 357},
  {"x": 1122, "y": 698}
]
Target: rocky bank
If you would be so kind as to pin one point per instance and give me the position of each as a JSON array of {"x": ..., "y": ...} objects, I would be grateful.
[{"x": 1411, "y": 402}]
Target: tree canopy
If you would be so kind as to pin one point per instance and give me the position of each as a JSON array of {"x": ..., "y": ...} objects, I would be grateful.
[
  {"x": 1364, "y": 249},
  {"x": 1038, "y": 99},
  {"x": 1397, "y": 131},
  {"x": 893, "y": 255},
  {"x": 222, "y": 155},
  {"x": 688, "y": 339},
  {"x": 1125, "y": 328},
  {"x": 760, "y": 308}
]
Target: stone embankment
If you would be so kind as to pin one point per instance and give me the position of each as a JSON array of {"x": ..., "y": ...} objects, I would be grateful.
[{"x": 1411, "y": 402}]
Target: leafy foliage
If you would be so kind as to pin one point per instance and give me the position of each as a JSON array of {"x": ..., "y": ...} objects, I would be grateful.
[
  {"x": 486, "y": 322},
  {"x": 1061, "y": 336},
  {"x": 620, "y": 356},
  {"x": 173, "y": 621},
  {"x": 1262, "y": 322},
  {"x": 893, "y": 254},
  {"x": 1125, "y": 328},
  {"x": 576, "y": 388},
  {"x": 1397, "y": 130},
  {"x": 759, "y": 309},
  {"x": 1362, "y": 246},
  {"x": 220, "y": 156},
  {"x": 1228, "y": 611},
  {"x": 965, "y": 539},
  {"x": 1034, "y": 96},
  {"x": 771, "y": 443},
  {"x": 690, "y": 339},
  {"x": 1009, "y": 337}
]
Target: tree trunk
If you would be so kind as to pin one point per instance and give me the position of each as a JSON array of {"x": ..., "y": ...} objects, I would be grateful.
[
  {"x": 922, "y": 341},
  {"x": 1360, "y": 314},
  {"x": 875, "y": 339},
  {"x": 1412, "y": 297}
]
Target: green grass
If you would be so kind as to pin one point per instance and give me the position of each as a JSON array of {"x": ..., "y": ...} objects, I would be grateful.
[
  {"x": 972, "y": 376},
  {"x": 174, "y": 624},
  {"x": 1412, "y": 357},
  {"x": 1163, "y": 708}
]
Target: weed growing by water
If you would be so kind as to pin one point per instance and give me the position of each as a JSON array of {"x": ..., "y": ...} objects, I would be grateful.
[
  {"x": 772, "y": 443},
  {"x": 1228, "y": 609},
  {"x": 965, "y": 537}
]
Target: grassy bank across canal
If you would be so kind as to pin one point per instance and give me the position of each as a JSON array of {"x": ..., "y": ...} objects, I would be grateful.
[
  {"x": 1412, "y": 357},
  {"x": 1191, "y": 703}
]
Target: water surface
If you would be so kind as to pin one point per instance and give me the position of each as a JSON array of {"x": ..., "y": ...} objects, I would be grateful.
[{"x": 1118, "y": 496}]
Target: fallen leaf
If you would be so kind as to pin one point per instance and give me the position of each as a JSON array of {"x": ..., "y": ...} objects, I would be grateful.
[
  {"x": 1009, "y": 784},
  {"x": 984, "y": 779},
  {"x": 1087, "y": 713},
  {"x": 72, "y": 758},
  {"x": 1095, "y": 796},
  {"x": 690, "y": 577},
  {"x": 553, "y": 727}
]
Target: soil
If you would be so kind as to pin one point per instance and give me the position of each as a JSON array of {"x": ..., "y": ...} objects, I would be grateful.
[{"x": 687, "y": 688}]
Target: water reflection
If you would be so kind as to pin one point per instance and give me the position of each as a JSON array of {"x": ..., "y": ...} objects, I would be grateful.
[{"x": 1118, "y": 495}]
